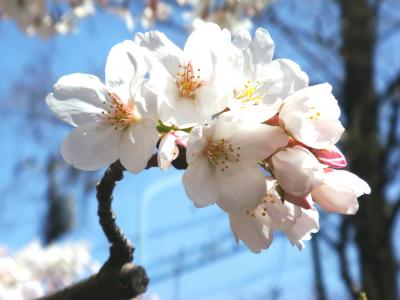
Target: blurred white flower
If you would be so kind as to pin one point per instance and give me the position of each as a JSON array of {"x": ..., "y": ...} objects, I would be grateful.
[
  {"x": 156, "y": 10},
  {"x": 35, "y": 271}
]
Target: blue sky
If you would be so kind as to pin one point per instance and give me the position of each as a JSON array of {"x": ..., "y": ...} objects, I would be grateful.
[{"x": 169, "y": 224}]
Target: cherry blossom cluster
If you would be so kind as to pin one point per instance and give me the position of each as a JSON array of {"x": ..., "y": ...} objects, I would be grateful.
[
  {"x": 34, "y": 271},
  {"x": 259, "y": 141}
]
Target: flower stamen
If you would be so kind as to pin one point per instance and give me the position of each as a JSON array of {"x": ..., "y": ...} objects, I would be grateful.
[
  {"x": 188, "y": 82},
  {"x": 313, "y": 115},
  {"x": 221, "y": 153},
  {"x": 120, "y": 115},
  {"x": 252, "y": 93}
]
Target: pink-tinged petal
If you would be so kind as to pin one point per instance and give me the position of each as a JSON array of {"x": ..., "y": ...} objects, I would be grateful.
[
  {"x": 78, "y": 99},
  {"x": 297, "y": 171},
  {"x": 161, "y": 49},
  {"x": 305, "y": 225},
  {"x": 252, "y": 231},
  {"x": 182, "y": 138},
  {"x": 167, "y": 151},
  {"x": 331, "y": 157},
  {"x": 125, "y": 63},
  {"x": 91, "y": 146},
  {"x": 138, "y": 142},
  {"x": 304, "y": 202},
  {"x": 200, "y": 182},
  {"x": 242, "y": 187},
  {"x": 339, "y": 192}
]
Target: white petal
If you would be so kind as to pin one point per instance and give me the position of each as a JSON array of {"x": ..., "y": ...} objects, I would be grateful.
[
  {"x": 183, "y": 115},
  {"x": 198, "y": 52},
  {"x": 339, "y": 192},
  {"x": 200, "y": 182},
  {"x": 261, "y": 47},
  {"x": 242, "y": 187},
  {"x": 164, "y": 86},
  {"x": 282, "y": 215},
  {"x": 163, "y": 50},
  {"x": 252, "y": 231},
  {"x": 282, "y": 78},
  {"x": 137, "y": 144},
  {"x": 212, "y": 98},
  {"x": 249, "y": 114},
  {"x": 91, "y": 146},
  {"x": 257, "y": 141},
  {"x": 145, "y": 100},
  {"x": 125, "y": 63},
  {"x": 306, "y": 224},
  {"x": 197, "y": 142},
  {"x": 78, "y": 99},
  {"x": 311, "y": 115},
  {"x": 241, "y": 38}
]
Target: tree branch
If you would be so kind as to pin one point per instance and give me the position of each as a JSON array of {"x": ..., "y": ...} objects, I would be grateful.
[
  {"x": 118, "y": 278},
  {"x": 318, "y": 274},
  {"x": 121, "y": 250},
  {"x": 344, "y": 265},
  {"x": 113, "y": 284}
]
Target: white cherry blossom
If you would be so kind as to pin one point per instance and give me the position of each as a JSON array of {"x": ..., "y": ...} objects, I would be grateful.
[
  {"x": 311, "y": 115},
  {"x": 255, "y": 228},
  {"x": 223, "y": 162},
  {"x": 193, "y": 84},
  {"x": 339, "y": 191},
  {"x": 261, "y": 79},
  {"x": 116, "y": 120},
  {"x": 168, "y": 149}
]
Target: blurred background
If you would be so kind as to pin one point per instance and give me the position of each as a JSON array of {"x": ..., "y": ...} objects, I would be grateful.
[{"x": 190, "y": 253}]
